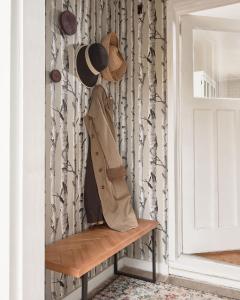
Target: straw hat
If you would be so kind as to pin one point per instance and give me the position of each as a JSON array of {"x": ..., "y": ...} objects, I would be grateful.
[{"x": 116, "y": 64}]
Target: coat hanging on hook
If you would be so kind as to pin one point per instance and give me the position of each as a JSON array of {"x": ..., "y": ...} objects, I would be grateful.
[{"x": 107, "y": 164}]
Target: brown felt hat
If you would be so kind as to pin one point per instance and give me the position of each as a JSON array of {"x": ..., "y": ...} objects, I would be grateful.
[
  {"x": 90, "y": 61},
  {"x": 116, "y": 65}
]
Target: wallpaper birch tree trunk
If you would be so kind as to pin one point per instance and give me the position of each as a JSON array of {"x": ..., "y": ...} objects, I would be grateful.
[
  {"x": 54, "y": 139},
  {"x": 123, "y": 104},
  {"x": 85, "y": 102},
  {"x": 108, "y": 30},
  {"x": 119, "y": 89},
  {"x": 80, "y": 33},
  {"x": 151, "y": 120},
  {"x": 72, "y": 126},
  {"x": 164, "y": 165},
  {"x": 141, "y": 135},
  {"x": 140, "y": 117},
  {"x": 115, "y": 84},
  {"x": 100, "y": 19},
  {"x": 63, "y": 114},
  {"x": 63, "y": 195},
  {"x": 132, "y": 100},
  {"x": 73, "y": 159}
]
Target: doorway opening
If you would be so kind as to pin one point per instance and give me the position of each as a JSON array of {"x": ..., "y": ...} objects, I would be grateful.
[{"x": 210, "y": 119}]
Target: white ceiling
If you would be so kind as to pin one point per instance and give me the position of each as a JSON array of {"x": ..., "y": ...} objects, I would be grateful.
[{"x": 228, "y": 12}]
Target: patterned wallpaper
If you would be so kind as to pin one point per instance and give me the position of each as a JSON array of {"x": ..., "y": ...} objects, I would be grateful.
[{"x": 140, "y": 115}]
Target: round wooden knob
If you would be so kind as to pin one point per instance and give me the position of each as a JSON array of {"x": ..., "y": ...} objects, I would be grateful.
[
  {"x": 55, "y": 75},
  {"x": 68, "y": 22}
]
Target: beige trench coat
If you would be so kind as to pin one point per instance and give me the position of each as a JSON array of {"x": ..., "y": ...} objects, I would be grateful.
[{"x": 107, "y": 163}]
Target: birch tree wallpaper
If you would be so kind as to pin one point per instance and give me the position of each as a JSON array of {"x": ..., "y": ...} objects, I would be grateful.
[{"x": 140, "y": 116}]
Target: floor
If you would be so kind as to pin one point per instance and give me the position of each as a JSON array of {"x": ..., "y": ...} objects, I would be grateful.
[
  {"x": 124, "y": 288},
  {"x": 232, "y": 257}
]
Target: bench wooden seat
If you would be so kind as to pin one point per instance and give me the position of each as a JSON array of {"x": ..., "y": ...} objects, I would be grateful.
[{"x": 80, "y": 253}]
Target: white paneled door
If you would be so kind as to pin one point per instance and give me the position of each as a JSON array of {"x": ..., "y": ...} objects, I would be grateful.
[{"x": 210, "y": 134}]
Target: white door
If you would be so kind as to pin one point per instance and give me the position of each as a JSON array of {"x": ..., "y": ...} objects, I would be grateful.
[{"x": 210, "y": 134}]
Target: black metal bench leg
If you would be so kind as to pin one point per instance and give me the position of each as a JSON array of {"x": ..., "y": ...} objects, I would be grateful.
[
  {"x": 85, "y": 286},
  {"x": 154, "y": 255},
  {"x": 153, "y": 279},
  {"x": 115, "y": 258}
]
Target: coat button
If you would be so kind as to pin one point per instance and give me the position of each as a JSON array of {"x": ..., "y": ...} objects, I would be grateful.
[
  {"x": 96, "y": 153},
  {"x": 102, "y": 187},
  {"x": 100, "y": 170}
]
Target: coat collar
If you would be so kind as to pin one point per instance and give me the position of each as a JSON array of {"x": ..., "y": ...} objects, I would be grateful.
[{"x": 105, "y": 104}]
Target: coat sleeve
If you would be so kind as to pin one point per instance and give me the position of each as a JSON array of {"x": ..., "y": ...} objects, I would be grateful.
[{"x": 104, "y": 135}]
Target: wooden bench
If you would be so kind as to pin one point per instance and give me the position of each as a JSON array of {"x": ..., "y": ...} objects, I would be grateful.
[{"x": 80, "y": 253}]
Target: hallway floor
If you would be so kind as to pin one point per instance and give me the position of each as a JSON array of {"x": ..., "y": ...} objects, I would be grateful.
[
  {"x": 123, "y": 288},
  {"x": 231, "y": 257}
]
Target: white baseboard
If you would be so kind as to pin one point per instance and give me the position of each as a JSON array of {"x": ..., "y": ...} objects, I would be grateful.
[
  {"x": 162, "y": 268},
  {"x": 207, "y": 271}
]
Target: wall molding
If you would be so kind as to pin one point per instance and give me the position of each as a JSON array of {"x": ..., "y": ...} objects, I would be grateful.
[
  {"x": 5, "y": 157},
  {"x": 27, "y": 150}
]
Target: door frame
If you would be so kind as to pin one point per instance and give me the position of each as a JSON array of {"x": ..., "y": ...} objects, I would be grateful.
[
  {"x": 27, "y": 150},
  {"x": 189, "y": 266}
]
